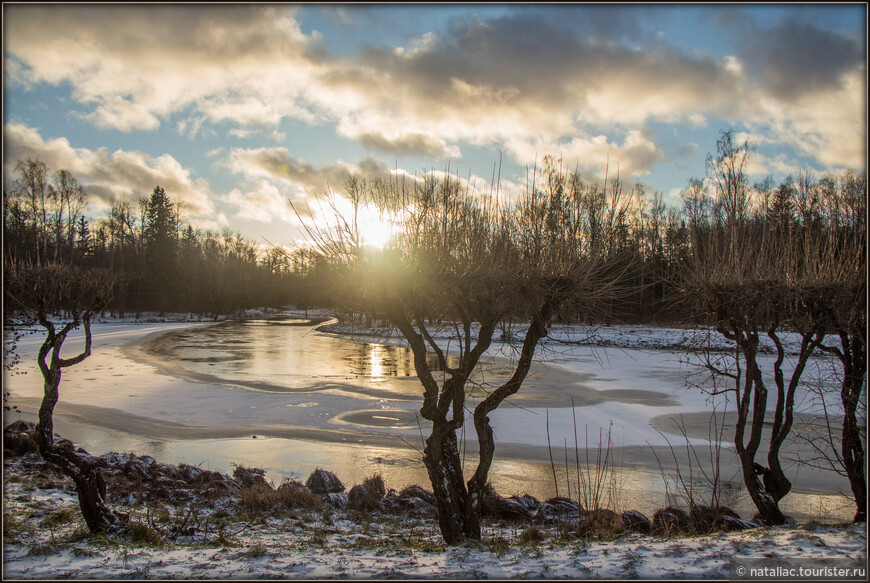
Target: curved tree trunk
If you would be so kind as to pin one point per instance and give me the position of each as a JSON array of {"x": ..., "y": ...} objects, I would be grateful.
[
  {"x": 486, "y": 442},
  {"x": 855, "y": 367},
  {"x": 90, "y": 486},
  {"x": 775, "y": 479},
  {"x": 761, "y": 483}
]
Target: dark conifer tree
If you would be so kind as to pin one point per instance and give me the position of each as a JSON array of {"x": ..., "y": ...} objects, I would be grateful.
[{"x": 160, "y": 250}]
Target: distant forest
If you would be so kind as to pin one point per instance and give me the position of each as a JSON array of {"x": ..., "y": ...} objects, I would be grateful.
[{"x": 163, "y": 264}]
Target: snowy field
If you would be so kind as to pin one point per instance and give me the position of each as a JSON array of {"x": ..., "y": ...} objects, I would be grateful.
[{"x": 44, "y": 540}]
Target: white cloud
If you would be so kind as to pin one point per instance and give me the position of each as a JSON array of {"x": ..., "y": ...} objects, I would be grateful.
[
  {"x": 634, "y": 156},
  {"x": 697, "y": 120},
  {"x": 105, "y": 175},
  {"x": 118, "y": 113},
  {"x": 262, "y": 203}
]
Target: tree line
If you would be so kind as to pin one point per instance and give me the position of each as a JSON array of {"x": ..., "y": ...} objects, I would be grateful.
[
  {"x": 164, "y": 264},
  {"x": 161, "y": 263},
  {"x": 651, "y": 244}
]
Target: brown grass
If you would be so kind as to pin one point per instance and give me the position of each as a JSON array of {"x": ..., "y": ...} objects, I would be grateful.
[
  {"x": 531, "y": 535},
  {"x": 368, "y": 495},
  {"x": 262, "y": 499},
  {"x": 601, "y": 524}
]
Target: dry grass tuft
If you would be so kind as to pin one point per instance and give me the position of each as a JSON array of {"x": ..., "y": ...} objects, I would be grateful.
[
  {"x": 368, "y": 495},
  {"x": 261, "y": 499},
  {"x": 143, "y": 534},
  {"x": 532, "y": 534},
  {"x": 601, "y": 524},
  {"x": 250, "y": 477}
]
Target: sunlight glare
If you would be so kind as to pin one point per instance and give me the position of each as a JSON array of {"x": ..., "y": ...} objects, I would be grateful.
[{"x": 375, "y": 229}]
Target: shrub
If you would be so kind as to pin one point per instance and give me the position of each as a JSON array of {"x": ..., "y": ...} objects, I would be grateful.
[
  {"x": 532, "y": 534},
  {"x": 603, "y": 524},
  {"x": 251, "y": 477},
  {"x": 141, "y": 533}
]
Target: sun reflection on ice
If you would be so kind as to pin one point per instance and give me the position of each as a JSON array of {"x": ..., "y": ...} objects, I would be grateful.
[{"x": 376, "y": 358}]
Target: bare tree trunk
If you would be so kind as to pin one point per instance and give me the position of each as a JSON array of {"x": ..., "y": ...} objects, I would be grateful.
[
  {"x": 90, "y": 486},
  {"x": 852, "y": 449},
  {"x": 761, "y": 483},
  {"x": 778, "y": 484},
  {"x": 486, "y": 442},
  {"x": 442, "y": 460},
  {"x": 853, "y": 357}
]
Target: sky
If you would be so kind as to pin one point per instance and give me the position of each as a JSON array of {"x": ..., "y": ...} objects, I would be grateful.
[{"x": 237, "y": 110}]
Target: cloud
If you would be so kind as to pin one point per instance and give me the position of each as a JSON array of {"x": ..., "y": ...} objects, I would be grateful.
[
  {"x": 272, "y": 178},
  {"x": 408, "y": 144},
  {"x": 524, "y": 79},
  {"x": 793, "y": 57},
  {"x": 596, "y": 154},
  {"x": 135, "y": 64},
  {"x": 278, "y": 164},
  {"x": 263, "y": 203},
  {"x": 105, "y": 176},
  {"x": 118, "y": 113},
  {"x": 829, "y": 127}
]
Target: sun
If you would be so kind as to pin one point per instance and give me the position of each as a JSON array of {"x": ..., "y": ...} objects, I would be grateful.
[
  {"x": 374, "y": 227},
  {"x": 364, "y": 224}
]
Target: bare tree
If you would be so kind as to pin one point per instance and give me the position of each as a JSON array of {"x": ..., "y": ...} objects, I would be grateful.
[
  {"x": 836, "y": 302},
  {"x": 752, "y": 277},
  {"x": 33, "y": 189},
  {"x": 744, "y": 313},
  {"x": 63, "y": 298},
  {"x": 470, "y": 264},
  {"x": 728, "y": 171},
  {"x": 852, "y": 354}
]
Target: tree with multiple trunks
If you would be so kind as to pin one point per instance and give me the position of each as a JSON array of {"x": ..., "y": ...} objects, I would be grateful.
[
  {"x": 834, "y": 244},
  {"x": 768, "y": 274},
  {"x": 458, "y": 268}
]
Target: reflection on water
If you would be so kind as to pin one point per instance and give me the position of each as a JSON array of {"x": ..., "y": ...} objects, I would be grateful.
[
  {"x": 380, "y": 360},
  {"x": 280, "y": 352}
]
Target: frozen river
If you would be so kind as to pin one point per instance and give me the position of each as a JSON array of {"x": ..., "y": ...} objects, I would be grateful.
[{"x": 281, "y": 395}]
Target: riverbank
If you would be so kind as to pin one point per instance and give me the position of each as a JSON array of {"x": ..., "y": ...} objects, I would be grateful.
[{"x": 44, "y": 538}]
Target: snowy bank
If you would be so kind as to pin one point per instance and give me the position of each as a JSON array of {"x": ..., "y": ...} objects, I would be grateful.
[{"x": 44, "y": 538}]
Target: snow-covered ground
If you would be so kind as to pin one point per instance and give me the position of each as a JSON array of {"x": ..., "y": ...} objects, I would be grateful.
[{"x": 44, "y": 539}]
